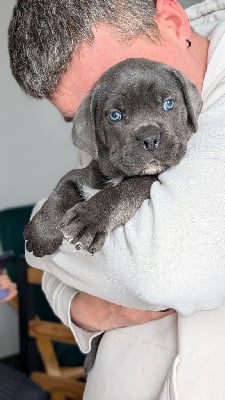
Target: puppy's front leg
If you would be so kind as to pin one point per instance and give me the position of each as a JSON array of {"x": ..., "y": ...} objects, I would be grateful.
[
  {"x": 43, "y": 234},
  {"x": 89, "y": 223}
]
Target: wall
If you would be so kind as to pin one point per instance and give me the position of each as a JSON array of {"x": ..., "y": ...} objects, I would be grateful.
[
  {"x": 35, "y": 147},
  {"x": 188, "y": 3}
]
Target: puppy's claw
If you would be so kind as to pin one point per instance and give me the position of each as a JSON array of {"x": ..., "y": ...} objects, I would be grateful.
[
  {"x": 97, "y": 243},
  {"x": 29, "y": 246},
  {"x": 79, "y": 246},
  {"x": 66, "y": 237}
]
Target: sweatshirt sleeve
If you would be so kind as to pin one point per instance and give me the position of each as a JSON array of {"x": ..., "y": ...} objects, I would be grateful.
[{"x": 59, "y": 297}]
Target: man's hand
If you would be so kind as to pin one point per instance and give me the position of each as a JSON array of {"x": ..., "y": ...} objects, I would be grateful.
[{"x": 94, "y": 314}]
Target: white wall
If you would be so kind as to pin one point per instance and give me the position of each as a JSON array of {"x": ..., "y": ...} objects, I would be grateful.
[
  {"x": 35, "y": 146},
  {"x": 188, "y": 3}
]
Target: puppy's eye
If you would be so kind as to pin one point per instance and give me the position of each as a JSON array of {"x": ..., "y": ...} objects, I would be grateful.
[
  {"x": 115, "y": 116},
  {"x": 168, "y": 104}
]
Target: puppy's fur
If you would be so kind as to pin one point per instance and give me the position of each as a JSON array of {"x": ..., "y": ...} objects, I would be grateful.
[{"x": 135, "y": 122}]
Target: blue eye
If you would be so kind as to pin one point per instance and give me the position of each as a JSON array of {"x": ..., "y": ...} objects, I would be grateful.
[
  {"x": 168, "y": 104},
  {"x": 115, "y": 116}
]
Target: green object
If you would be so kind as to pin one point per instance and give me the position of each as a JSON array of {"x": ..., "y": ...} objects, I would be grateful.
[{"x": 12, "y": 223}]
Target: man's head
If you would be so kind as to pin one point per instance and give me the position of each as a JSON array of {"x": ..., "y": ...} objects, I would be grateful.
[
  {"x": 43, "y": 35},
  {"x": 138, "y": 118},
  {"x": 59, "y": 48}
]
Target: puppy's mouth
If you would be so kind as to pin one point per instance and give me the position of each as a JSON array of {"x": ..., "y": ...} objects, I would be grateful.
[
  {"x": 154, "y": 168},
  {"x": 145, "y": 162},
  {"x": 139, "y": 167}
]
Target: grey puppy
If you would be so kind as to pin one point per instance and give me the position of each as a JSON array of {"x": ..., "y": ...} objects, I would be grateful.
[{"x": 135, "y": 123}]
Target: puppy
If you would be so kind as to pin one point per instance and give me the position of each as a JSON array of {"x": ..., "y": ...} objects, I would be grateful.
[{"x": 135, "y": 123}]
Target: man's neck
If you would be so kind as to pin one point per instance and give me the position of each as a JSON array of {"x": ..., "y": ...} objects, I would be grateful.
[{"x": 199, "y": 51}]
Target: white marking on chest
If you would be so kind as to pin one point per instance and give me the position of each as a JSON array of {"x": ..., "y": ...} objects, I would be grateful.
[
  {"x": 87, "y": 191},
  {"x": 115, "y": 181}
]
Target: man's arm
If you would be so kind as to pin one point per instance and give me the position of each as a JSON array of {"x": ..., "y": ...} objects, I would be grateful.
[{"x": 88, "y": 316}]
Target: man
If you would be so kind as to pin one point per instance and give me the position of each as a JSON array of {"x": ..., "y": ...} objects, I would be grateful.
[{"x": 167, "y": 257}]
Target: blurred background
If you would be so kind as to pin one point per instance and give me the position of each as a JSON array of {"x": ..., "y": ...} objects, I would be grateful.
[{"x": 35, "y": 141}]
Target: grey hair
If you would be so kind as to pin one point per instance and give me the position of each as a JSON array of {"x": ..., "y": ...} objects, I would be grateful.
[{"x": 44, "y": 34}]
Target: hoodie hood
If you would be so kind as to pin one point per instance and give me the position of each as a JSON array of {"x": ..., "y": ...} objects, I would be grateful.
[
  {"x": 206, "y": 15},
  {"x": 208, "y": 19}
]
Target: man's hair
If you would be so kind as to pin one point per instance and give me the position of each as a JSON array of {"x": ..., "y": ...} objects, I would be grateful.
[{"x": 44, "y": 34}]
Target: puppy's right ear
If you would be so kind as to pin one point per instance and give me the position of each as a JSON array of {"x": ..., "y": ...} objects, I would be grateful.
[{"x": 83, "y": 132}]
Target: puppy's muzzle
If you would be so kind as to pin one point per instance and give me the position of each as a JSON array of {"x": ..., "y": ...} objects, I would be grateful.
[{"x": 149, "y": 138}]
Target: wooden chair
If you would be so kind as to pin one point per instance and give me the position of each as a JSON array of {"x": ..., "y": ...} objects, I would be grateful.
[{"x": 37, "y": 337}]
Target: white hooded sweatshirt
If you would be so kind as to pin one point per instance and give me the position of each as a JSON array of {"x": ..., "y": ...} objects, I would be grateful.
[{"x": 170, "y": 255}]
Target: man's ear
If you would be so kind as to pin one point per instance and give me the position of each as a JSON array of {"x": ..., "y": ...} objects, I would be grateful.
[
  {"x": 170, "y": 14},
  {"x": 192, "y": 98},
  {"x": 83, "y": 132}
]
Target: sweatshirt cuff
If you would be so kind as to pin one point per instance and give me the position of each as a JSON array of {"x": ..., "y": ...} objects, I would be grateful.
[{"x": 82, "y": 337}]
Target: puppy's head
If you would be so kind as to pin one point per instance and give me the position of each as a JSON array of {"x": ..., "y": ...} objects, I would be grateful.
[{"x": 138, "y": 118}]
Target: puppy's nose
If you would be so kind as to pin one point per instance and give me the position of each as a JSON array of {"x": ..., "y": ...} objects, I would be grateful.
[{"x": 150, "y": 140}]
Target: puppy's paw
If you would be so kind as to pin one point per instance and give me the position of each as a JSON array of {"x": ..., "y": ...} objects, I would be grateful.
[
  {"x": 42, "y": 238},
  {"x": 83, "y": 227}
]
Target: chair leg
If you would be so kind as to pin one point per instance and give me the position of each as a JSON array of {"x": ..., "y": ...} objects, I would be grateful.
[{"x": 57, "y": 396}]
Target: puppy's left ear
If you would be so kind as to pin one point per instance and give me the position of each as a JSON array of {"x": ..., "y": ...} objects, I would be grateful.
[
  {"x": 83, "y": 132},
  {"x": 192, "y": 99}
]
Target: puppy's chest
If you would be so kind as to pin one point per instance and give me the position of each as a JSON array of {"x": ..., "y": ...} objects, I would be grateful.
[{"x": 87, "y": 191}]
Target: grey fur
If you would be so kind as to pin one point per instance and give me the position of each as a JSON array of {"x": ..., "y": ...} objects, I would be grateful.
[
  {"x": 44, "y": 34},
  {"x": 132, "y": 151}
]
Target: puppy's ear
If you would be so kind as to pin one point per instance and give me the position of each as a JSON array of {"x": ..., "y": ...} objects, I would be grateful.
[
  {"x": 83, "y": 132},
  {"x": 192, "y": 99}
]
